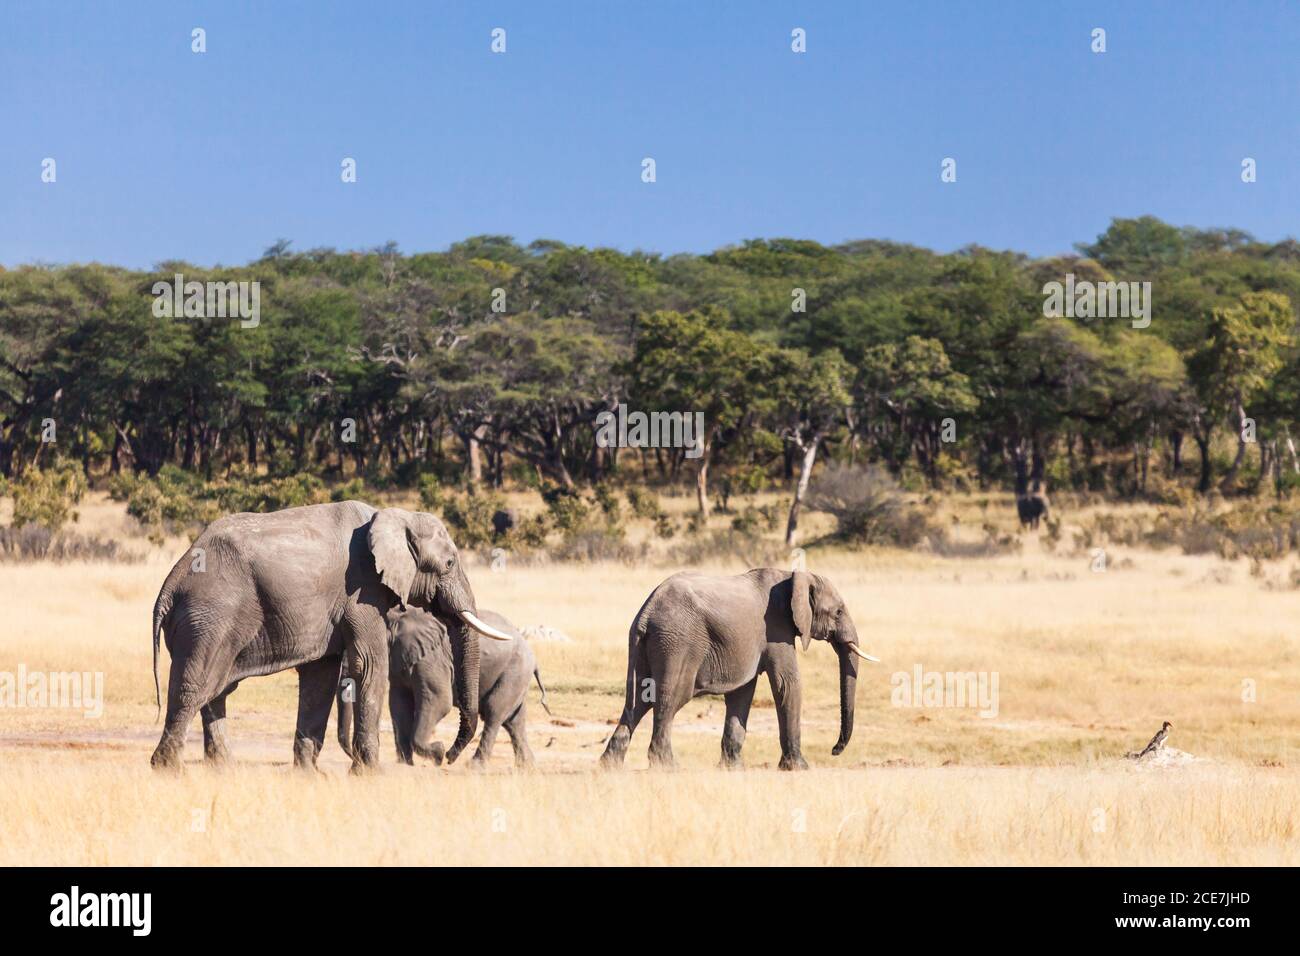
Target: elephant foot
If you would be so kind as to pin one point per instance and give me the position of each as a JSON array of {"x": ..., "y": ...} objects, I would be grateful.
[
  {"x": 304, "y": 754},
  {"x": 615, "y": 750},
  {"x": 217, "y": 758},
  {"x": 731, "y": 763},
  {"x": 611, "y": 760},
  {"x": 792, "y": 762},
  {"x": 437, "y": 753},
  {"x": 166, "y": 759},
  {"x": 660, "y": 761}
]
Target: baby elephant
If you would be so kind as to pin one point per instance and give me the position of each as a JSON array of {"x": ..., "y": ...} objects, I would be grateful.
[{"x": 421, "y": 689}]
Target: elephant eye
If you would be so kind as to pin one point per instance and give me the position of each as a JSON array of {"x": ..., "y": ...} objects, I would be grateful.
[{"x": 450, "y": 563}]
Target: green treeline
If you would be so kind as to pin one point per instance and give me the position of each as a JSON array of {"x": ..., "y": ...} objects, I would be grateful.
[{"x": 489, "y": 363}]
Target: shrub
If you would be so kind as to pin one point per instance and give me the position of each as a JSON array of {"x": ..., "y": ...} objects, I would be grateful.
[
  {"x": 34, "y": 542},
  {"x": 569, "y": 513},
  {"x": 609, "y": 504},
  {"x": 644, "y": 503},
  {"x": 431, "y": 498},
  {"x": 729, "y": 544},
  {"x": 599, "y": 545},
  {"x": 867, "y": 506},
  {"x": 353, "y": 490},
  {"x": 470, "y": 517},
  {"x": 48, "y": 497}
]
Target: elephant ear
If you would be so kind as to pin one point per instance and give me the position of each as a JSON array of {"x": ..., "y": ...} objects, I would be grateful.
[
  {"x": 392, "y": 552},
  {"x": 801, "y": 605}
]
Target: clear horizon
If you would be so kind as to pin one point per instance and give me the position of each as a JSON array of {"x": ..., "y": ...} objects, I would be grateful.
[{"x": 166, "y": 154}]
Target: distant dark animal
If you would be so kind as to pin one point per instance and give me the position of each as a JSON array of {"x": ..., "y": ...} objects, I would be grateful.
[
  {"x": 503, "y": 521},
  {"x": 1031, "y": 508},
  {"x": 1157, "y": 742}
]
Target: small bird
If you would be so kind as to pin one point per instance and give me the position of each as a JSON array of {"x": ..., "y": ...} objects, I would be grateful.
[{"x": 1157, "y": 742}]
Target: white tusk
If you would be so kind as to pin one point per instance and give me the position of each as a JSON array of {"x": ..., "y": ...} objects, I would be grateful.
[
  {"x": 487, "y": 630},
  {"x": 865, "y": 657}
]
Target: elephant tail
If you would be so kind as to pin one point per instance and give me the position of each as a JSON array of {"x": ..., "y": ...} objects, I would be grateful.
[
  {"x": 537, "y": 675},
  {"x": 162, "y": 609},
  {"x": 346, "y": 690},
  {"x": 157, "y": 630}
]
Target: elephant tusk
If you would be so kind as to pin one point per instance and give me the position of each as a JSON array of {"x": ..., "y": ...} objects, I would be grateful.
[
  {"x": 865, "y": 657},
  {"x": 487, "y": 630}
]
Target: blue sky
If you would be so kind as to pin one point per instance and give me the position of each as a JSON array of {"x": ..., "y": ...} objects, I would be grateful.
[{"x": 163, "y": 153}]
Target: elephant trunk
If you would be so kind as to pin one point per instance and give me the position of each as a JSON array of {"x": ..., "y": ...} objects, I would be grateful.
[
  {"x": 466, "y": 668},
  {"x": 848, "y": 689},
  {"x": 434, "y": 751},
  {"x": 457, "y": 598}
]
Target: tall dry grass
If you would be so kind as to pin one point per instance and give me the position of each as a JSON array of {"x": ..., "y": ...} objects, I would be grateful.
[{"x": 1089, "y": 665}]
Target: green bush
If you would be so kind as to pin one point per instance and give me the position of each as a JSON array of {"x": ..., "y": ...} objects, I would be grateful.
[
  {"x": 569, "y": 513},
  {"x": 644, "y": 503},
  {"x": 470, "y": 517},
  {"x": 354, "y": 490},
  {"x": 430, "y": 489},
  {"x": 48, "y": 497}
]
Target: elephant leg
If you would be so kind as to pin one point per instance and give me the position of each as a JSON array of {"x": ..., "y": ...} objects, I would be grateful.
[
  {"x": 516, "y": 727},
  {"x": 216, "y": 747},
  {"x": 784, "y": 679},
  {"x": 401, "y": 709},
  {"x": 367, "y": 663},
  {"x": 636, "y": 705},
  {"x": 487, "y": 739},
  {"x": 196, "y": 677},
  {"x": 431, "y": 705},
  {"x": 317, "y": 683},
  {"x": 733, "y": 727},
  {"x": 670, "y": 697}
]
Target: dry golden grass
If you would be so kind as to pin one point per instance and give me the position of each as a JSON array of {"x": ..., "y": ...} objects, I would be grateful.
[{"x": 1089, "y": 665}]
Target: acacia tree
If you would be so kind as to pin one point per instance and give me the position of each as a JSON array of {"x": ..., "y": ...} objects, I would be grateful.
[
  {"x": 812, "y": 394},
  {"x": 913, "y": 386},
  {"x": 693, "y": 363},
  {"x": 1243, "y": 351}
]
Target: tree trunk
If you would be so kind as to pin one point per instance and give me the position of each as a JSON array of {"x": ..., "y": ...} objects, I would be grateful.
[
  {"x": 805, "y": 472},
  {"x": 474, "y": 457},
  {"x": 1203, "y": 446},
  {"x": 702, "y": 483},
  {"x": 1229, "y": 479}
]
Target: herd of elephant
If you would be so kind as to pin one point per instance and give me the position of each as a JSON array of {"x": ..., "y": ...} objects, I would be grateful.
[{"x": 362, "y": 601}]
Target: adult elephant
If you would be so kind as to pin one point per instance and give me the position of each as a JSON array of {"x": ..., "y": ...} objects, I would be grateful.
[
  {"x": 698, "y": 634},
  {"x": 304, "y": 588}
]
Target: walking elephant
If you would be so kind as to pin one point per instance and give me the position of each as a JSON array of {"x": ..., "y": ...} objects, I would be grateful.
[
  {"x": 423, "y": 660},
  {"x": 307, "y": 588},
  {"x": 698, "y": 634},
  {"x": 1031, "y": 508}
]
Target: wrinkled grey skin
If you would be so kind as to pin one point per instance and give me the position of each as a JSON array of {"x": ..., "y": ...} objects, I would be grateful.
[
  {"x": 422, "y": 659},
  {"x": 1031, "y": 508},
  {"x": 305, "y": 588},
  {"x": 699, "y": 634}
]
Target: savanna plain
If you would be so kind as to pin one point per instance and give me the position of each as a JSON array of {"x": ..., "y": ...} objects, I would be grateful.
[{"x": 1089, "y": 663}]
